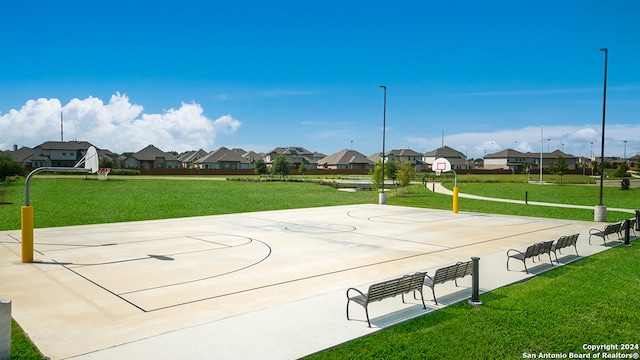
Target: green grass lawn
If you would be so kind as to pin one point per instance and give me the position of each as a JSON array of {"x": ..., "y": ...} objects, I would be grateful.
[
  {"x": 591, "y": 301},
  {"x": 496, "y": 326},
  {"x": 76, "y": 201}
]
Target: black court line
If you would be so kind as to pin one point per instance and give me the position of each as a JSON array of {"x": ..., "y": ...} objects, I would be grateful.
[
  {"x": 207, "y": 277},
  {"x": 443, "y": 249},
  {"x": 348, "y": 269}
]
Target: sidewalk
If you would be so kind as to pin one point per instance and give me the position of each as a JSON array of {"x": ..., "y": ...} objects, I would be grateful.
[{"x": 438, "y": 188}]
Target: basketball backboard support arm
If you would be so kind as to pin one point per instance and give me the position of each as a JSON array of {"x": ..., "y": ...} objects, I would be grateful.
[{"x": 26, "y": 212}]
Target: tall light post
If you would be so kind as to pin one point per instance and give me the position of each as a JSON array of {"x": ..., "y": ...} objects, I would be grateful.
[
  {"x": 625, "y": 151},
  {"x": 383, "y": 197},
  {"x": 600, "y": 213}
]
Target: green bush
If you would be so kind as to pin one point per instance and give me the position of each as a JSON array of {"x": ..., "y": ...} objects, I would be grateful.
[{"x": 127, "y": 172}]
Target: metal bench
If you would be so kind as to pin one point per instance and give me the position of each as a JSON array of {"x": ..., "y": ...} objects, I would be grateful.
[
  {"x": 386, "y": 289},
  {"x": 623, "y": 228},
  {"x": 608, "y": 230},
  {"x": 563, "y": 242},
  {"x": 448, "y": 273},
  {"x": 532, "y": 251}
]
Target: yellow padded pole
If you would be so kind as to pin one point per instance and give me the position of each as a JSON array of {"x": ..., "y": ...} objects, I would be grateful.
[
  {"x": 26, "y": 213},
  {"x": 455, "y": 199}
]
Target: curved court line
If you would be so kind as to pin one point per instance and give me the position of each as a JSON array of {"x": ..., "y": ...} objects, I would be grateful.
[
  {"x": 379, "y": 219},
  {"x": 348, "y": 269},
  {"x": 322, "y": 230},
  {"x": 148, "y": 257},
  {"x": 207, "y": 277}
]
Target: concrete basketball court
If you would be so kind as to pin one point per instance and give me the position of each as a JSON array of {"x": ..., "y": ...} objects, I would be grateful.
[{"x": 268, "y": 285}]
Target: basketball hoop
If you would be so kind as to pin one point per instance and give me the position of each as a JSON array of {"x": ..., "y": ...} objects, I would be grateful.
[
  {"x": 441, "y": 165},
  {"x": 102, "y": 173}
]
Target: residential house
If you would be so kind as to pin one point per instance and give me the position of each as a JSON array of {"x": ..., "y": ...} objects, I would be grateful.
[
  {"x": 409, "y": 155},
  {"x": 187, "y": 159},
  {"x": 224, "y": 158},
  {"x": 62, "y": 154},
  {"x": 295, "y": 155},
  {"x": 22, "y": 155},
  {"x": 457, "y": 159},
  {"x": 253, "y": 156},
  {"x": 345, "y": 159},
  {"x": 152, "y": 158},
  {"x": 516, "y": 160}
]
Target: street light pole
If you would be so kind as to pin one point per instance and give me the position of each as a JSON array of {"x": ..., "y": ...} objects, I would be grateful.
[
  {"x": 383, "y": 197},
  {"x": 600, "y": 213}
]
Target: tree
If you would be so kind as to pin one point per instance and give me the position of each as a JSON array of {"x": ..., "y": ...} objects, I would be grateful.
[
  {"x": 406, "y": 173},
  {"x": 376, "y": 176},
  {"x": 559, "y": 167},
  {"x": 595, "y": 167},
  {"x": 281, "y": 166},
  {"x": 391, "y": 169},
  {"x": 302, "y": 169},
  {"x": 105, "y": 162},
  {"x": 10, "y": 167},
  {"x": 622, "y": 170},
  {"x": 260, "y": 167}
]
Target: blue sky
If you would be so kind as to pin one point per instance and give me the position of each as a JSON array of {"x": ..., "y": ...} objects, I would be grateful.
[{"x": 186, "y": 75}]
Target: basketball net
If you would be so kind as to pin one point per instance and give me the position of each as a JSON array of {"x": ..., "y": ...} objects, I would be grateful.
[
  {"x": 438, "y": 172},
  {"x": 102, "y": 173}
]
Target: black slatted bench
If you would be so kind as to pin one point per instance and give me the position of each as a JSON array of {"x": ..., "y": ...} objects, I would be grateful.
[
  {"x": 532, "y": 251},
  {"x": 448, "y": 273},
  {"x": 604, "y": 233},
  {"x": 386, "y": 289},
  {"x": 564, "y": 242}
]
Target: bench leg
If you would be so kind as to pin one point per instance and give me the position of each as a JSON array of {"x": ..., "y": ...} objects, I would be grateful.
[
  {"x": 366, "y": 311},
  {"x": 433, "y": 290},
  {"x": 523, "y": 261},
  {"x": 348, "y": 309},
  {"x": 424, "y": 306}
]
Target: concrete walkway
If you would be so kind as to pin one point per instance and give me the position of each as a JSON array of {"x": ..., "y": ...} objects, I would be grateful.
[
  {"x": 437, "y": 187},
  {"x": 263, "y": 285}
]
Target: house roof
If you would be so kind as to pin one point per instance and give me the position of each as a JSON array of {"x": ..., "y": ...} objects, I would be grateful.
[
  {"x": 445, "y": 152},
  {"x": 253, "y": 156},
  {"x": 21, "y": 155},
  {"x": 223, "y": 154},
  {"x": 552, "y": 155},
  {"x": 152, "y": 153},
  {"x": 507, "y": 153},
  {"x": 345, "y": 157},
  {"x": 189, "y": 156},
  {"x": 65, "y": 145},
  {"x": 297, "y": 150},
  {"x": 404, "y": 153}
]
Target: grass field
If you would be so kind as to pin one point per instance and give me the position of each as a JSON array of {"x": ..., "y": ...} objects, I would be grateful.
[
  {"x": 76, "y": 201},
  {"x": 591, "y": 301}
]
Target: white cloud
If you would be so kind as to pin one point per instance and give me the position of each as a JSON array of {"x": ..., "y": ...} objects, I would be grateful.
[
  {"x": 576, "y": 140},
  {"x": 118, "y": 125}
]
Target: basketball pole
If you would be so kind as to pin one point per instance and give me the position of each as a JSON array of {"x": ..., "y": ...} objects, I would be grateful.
[
  {"x": 26, "y": 223},
  {"x": 455, "y": 192},
  {"x": 26, "y": 211}
]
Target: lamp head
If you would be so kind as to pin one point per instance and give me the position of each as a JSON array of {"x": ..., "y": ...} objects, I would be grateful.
[
  {"x": 604, "y": 49},
  {"x": 382, "y": 86}
]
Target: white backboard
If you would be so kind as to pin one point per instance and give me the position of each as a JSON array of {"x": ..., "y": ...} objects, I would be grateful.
[
  {"x": 91, "y": 159},
  {"x": 441, "y": 165}
]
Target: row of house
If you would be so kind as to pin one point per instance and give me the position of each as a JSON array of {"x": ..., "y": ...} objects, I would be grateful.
[{"x": 68, "y": 153}]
